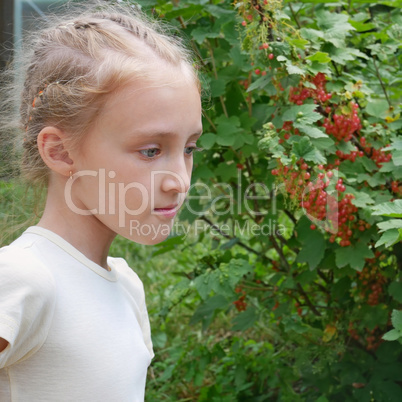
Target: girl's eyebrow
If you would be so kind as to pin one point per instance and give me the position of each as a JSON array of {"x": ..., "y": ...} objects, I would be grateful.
[{"x": 158, "y": 134}]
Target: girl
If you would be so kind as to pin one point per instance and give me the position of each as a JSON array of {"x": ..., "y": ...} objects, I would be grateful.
[{"x": 111, "y": 114}]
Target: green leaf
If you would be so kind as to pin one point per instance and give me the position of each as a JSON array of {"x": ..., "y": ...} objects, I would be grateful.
[
  {"x": 389, "y": 238},
  {"x": 334, "y": 25},
  {"x": 206, "y": 310},
  {"x": 311, "y": 34},
  {"x": 313, "y": 249},
  {"x": 392, "y": 335},
  {"x": 226, "y": 130},
  {"x": 226, "y": 171},
  {"x": 397, "y": 158},
  {"x": 305, "y": 149},
  {"x": 293, "y": 69},
  {"x": 260, "y": 83},
  {"x": 207, "y": 140},
  {"x": 341, "y": 55},
  {"x": 378, "y": 108},
  {"x": 223, "y": 279},
  {"x": 373, "y": 180},
  {"x": 220, "y": 12},
  {"x": 218, "y": 87},
  {"x": 312, "y": 132},
  {"x": 319, "y": 57},
  {"x": 373, "y": 316},
  {"x": 391, "y": 209},
  {"x": 361, "y": 26},
  {"x": 245, "y": 320},
  {"x": 391, "y": 224},
  {"x": 200, "y": 34},
  {"x": 369, "y": 164},
  {"x": 396, "y": 145},
  {"x": 353, "y": 255},
  {"x": 325, "y": 144},
  {"x": 396, "y": 318},
  {"x": 361, "y": 199},
  {"x": 301, "y": 115},
  {"x": 395, "y": 290},
  {"x": 299, "y": 43}
]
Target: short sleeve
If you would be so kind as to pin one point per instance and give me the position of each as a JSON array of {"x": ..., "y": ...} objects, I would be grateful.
[
  {"x": 131, "y": 281},
  {"x": 27, "y": 301},
  {"x": 146, "y": 328}
]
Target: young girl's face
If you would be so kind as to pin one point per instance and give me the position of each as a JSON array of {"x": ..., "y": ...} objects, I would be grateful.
[{"x": 133, "y": 169}]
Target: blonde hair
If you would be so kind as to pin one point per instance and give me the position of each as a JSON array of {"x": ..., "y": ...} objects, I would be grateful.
[{"x": 75, "y": 63}]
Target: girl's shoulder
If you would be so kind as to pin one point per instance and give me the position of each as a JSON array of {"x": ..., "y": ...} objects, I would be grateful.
[
  {"x": 27, "y": 301},
  {"x": 127, "y": 276},
  {"x": 20, "y": 267}
]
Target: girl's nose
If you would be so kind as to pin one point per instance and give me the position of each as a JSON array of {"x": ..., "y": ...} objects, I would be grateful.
[{"x": 177, "y": 179}]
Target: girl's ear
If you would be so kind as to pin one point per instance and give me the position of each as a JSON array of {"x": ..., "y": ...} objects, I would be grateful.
[{"x": 52, "y": 148}]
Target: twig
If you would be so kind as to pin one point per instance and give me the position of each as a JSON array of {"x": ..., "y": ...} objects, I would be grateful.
[
  {"x": 250, "y": 174},
  {"x": 216, "y": 77},
  {"x": 209, "y": 121},
  {"x": 381, "y": 82},
  {"x": 292, "y": 218},
  {"x": 308, "y": 301},
  {"x": 322, "y": 275},
  {"x": 294, "y": 16},
  {"x": 336, "y": 68},
  {"x": 240, "y": 243}
]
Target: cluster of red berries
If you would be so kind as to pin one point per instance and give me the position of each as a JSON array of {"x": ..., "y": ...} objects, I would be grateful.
[
  {"x": 395, "y": 187},
  {"x": 240, "y": 304},
  {"x": 294, "y": 180},
  {"x": 377, "y": 155},
  {"x": 244, "y": 84},
  {"x": 299, "y": 94},
  {"x": 345, "y": 215},
  {"x": 372, "y": 283},
  {"x": 351, "y": 156},
  {"x": 352, "y": 332},
  {"x": 320, "y": 92},
  {"x": 343, "y": 126},
  {"x": 373, "y": 341},
  {"x": 315, "y": 200},
  {"x": 287, "y": 129},
  {"x": 258, "y": 72}
]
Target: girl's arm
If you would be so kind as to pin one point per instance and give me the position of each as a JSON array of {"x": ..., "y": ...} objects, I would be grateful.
[{"x": 3, "y": 344}]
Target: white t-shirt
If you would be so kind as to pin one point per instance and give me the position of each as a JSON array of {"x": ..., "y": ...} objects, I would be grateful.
[{"x": 77, "y": 332}]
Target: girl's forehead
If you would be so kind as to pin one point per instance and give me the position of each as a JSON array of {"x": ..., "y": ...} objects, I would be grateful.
[{"x": 159, "y": 76}]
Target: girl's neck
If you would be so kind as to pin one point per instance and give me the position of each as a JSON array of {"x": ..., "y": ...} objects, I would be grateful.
[{"x": 85, "y": 232}]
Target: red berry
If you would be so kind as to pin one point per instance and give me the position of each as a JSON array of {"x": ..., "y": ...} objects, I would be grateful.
[{"x": 271, "y": 56}]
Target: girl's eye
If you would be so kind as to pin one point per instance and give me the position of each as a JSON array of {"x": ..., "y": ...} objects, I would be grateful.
[
  {"x": 190, "y": 150},
  {"x": 150, "y": 153}
]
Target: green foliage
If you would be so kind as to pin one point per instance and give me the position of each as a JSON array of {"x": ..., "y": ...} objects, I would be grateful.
[
  {"x": 392, "y": 229},
  {"x": 286, "y": 282}
]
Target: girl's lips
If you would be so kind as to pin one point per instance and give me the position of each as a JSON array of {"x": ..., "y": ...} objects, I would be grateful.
[{"x": 169, "y": 212}]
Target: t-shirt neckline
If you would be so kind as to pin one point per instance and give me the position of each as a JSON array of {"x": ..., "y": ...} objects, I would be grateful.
[{"x": 71, "y": 250}]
